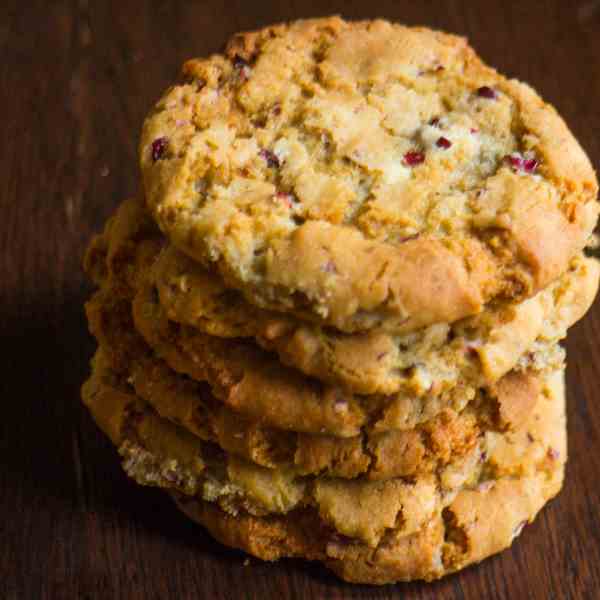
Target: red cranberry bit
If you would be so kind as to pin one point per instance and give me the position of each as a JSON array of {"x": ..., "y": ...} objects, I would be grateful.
[
  {"x": 474, "y": 131},
  {"x": 270, "y": 158},
  {"x": 413, "y": 158},
  {"x": 487, "y": 92},
  {"x": 277, "y": 110},
  {"x": 518, "y": 163},
  {"x": 444, "y": 143},
  {"x": 515, "y": 161},
  {"x": 553, "y": 454},
  {"x": 285, "y": 198},
  {"x": 242, "y": 67},
  {"x": 329, "y": 267},
  {"x": 158, "y": 148},
  {"x": 435, "y": 122}
]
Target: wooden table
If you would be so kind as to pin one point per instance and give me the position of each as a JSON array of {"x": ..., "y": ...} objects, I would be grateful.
[{"x": 76, "y": 79}]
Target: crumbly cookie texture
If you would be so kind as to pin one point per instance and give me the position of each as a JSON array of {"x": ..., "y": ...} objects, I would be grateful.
[
  {"x": 366, "y": 175},
  {"x": 427, "y": 448},
  {"x": 372, "y": 532}
]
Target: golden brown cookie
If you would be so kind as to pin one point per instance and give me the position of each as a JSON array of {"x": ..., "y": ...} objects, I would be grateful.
[
  {"x": 472, "y": 352},
  {"x": 478, "y": 349},
  {"x": 366, "y": 175}
]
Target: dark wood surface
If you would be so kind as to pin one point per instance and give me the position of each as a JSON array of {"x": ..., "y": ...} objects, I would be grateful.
[{"x": 76, "y": 79}]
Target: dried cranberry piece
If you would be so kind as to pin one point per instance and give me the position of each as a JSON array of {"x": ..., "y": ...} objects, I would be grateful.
[
  {"x": 158, "y": 148},
  {"x": 518, "y": 163},
  {"x": 530, "y": 165},
  {"x": 444, "y": 143},
  {"x": 435, "y": 121},
  {"x": 329, "y": 267},
  {"x": 270, "y": 157},
  {"x": 487, "y": 92},
  {"x": 285, "y": 198},
  {"x": 413, "y": 158}
]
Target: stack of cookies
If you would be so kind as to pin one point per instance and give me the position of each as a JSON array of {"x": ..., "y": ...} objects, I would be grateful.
[{"x": 329, "y": 325}]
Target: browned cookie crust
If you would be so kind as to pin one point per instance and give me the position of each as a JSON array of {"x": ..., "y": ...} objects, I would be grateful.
[{"x": 366, "y": 175}]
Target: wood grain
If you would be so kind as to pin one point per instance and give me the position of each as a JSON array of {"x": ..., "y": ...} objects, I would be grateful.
[{"x": 75, "y": 81}]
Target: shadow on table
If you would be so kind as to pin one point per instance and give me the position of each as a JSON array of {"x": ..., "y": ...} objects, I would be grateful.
[{"x": 46, "y": 349}]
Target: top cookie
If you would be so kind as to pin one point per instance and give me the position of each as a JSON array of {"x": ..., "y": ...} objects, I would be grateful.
[{"x": 366, "y": 175}]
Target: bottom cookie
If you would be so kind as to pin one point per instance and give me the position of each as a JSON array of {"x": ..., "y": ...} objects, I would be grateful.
[{"x": 477, "y": 524}]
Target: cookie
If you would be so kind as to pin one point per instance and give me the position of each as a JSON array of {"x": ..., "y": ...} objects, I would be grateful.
[
  {"x": 478, "y": 524},
  {"x": 374, "y": 532},
  {"x": 366, "y": 175},
  {"x": 371, "y": 455},
  {"x": 478, "y": 349}
]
